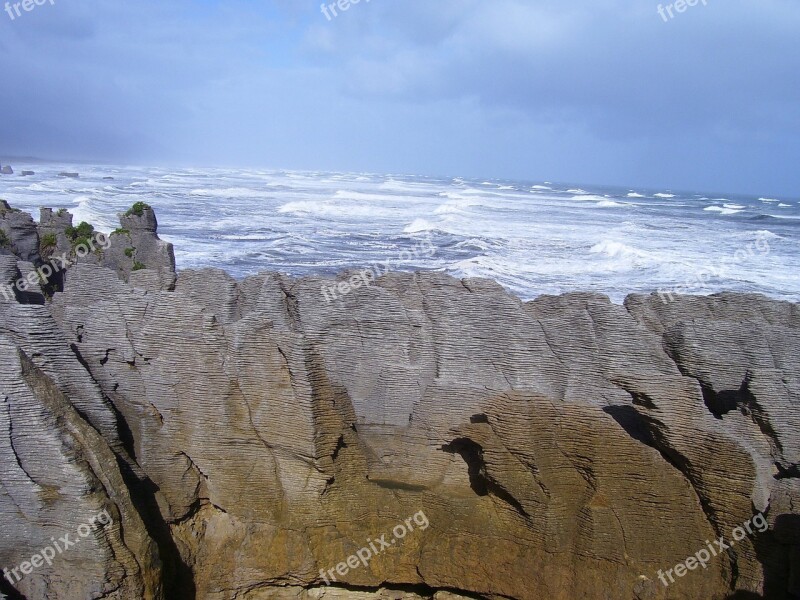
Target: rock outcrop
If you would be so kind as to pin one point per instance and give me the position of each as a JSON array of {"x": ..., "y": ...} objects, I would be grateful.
[{"x": 249, "y": 437}]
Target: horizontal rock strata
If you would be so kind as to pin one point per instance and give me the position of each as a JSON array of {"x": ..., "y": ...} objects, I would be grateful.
[{"x": 248, "y": 437}]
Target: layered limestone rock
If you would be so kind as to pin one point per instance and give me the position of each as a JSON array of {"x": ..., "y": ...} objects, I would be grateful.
[{"x": 256, "y": 439}]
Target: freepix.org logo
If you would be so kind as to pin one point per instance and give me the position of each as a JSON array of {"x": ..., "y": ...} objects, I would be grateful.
[{"x": 13, "y": 9}]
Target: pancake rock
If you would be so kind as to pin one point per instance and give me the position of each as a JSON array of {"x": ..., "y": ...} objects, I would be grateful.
[{"x": 420, "y": 437}]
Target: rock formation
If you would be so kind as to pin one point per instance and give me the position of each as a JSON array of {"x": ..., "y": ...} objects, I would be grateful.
[{"x": 247, "y": 437}]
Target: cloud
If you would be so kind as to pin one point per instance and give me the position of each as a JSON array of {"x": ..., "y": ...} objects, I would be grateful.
[{"x": 602, "y": 92}]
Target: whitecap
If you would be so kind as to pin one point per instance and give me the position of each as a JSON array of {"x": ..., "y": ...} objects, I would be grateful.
[
  {"x": 768, "y": 200},
  {"x": 583, "y": 197},
  {"x": 662, "y": 195},
  {"x": 577, "y": 191},
  {"x": 635, "y": 195},
  {"x": 337, "y": 210},
  {"x": 782, "y": 205},
  {"x": 610, "y": 204},
  {"x": 541, "y": 187},
  {"x": 722, "y": 210},
  {"x": 351, "y": 195},
  {"x": 419, "y": 225},
  {"x": 235, "y": 192},
  {"x": 613, "y": 249},
  {"x": 456, "y": 207},
  {"x": 734, "y": 206}
]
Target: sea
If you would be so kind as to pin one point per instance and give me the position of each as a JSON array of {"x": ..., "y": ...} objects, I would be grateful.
[{"x": 532, "y": 237}]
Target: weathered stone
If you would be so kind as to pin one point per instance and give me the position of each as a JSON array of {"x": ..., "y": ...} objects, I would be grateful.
[
  {"x": 561, "y": 448},
  {"x": 19, "y": 229}
]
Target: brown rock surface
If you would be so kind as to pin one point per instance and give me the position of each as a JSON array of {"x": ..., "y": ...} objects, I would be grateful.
[{"x": 561, "y": 448}]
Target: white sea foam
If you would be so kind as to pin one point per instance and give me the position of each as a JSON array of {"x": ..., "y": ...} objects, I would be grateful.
[
  {"x": 85, "y": 211},
  {"x": 235, "y": 192},
  {"x": 322, "y": 208},
  {"x": 722, "y": 210},
  {"x": 768, "y": 200},
  {"x": 541, "y": 187},
  {"x": 782, "y": 205},
  {"x": 614, "y": 248},
  {"x": 419, "y": 225},
  {"x": 530, "y": 239},
  {"x": 584, "y": 197},
  {"x": 662, "y": 195}
]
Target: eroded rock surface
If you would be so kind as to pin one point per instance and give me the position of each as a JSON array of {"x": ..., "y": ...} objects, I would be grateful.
[{"x": 251, "y": 436}]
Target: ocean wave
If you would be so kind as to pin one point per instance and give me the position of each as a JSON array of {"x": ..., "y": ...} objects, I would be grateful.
[
  {"x": 663, "y": 195},
  {"x": 577, "y": 191},
  {"x": 252, "y": 237},
  {"x": 734, "y": 206},
  {"x": 338, "y": 210},
  {"x": 457, "y": 206},
  {"x": 235, "y": 192},
  {"x": 722, "y": 210},
  {"x": 419, "y": 225},
  {"x": 620, "y": 257},
  {"x": 768, "y": 200},
  {"x": 39, "y": 187},
  {"x": 86, "y": 211},
  {"x": 614, "y": 249},
  {"x": 610, "y": 204},
  {"x": 584, "y": 197},
  {"x": 635, "y": 195},
  {"x": 541, "y": 187},
  {"x": 782, "y": 217},
  {"x": 393, "y": 185},
  {"x": 782, "y": 205},
  {"x": 353, "y": 195}
]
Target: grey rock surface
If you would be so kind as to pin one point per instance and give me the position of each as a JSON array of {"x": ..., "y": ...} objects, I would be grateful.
[
  {"x": 250, "y": 436},
  {"x": 20, "y": 230}
]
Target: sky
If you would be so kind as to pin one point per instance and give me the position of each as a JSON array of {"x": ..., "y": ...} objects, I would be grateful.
[{"x": 597, "y": 92}]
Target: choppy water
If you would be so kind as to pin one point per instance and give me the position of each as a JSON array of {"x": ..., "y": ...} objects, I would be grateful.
[{"x": 532, "y": 237}]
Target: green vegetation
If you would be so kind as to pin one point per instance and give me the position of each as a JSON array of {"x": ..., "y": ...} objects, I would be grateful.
[
  {"x": 138, "y": 209},
  {"x": 5, "y": 241},
  {"x": 82, "y": 234},
  {"x": 48, "y": 242},
  {"x": 61, "y": 212},
  {"x": 5, "y": 208},
  {"x": 120, "y": 231},
  {"x": 129, "y": 252},
  {"x": 82, "y": 230},
  {"x": 137, "y": 266}
]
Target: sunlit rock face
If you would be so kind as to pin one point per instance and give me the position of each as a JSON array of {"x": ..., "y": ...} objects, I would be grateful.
[{"x": 250, "y": 437}]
